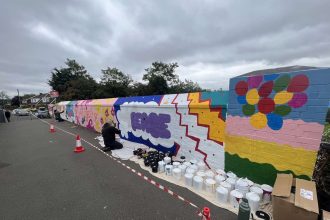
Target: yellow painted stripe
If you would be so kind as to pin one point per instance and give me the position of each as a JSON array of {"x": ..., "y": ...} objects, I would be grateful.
[
  {"x": 282, "y": 157},
  {"x": 207, "y": 117}
]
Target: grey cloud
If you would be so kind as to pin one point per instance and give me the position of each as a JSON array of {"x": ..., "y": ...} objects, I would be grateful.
[{"x": 211, "y": 40}]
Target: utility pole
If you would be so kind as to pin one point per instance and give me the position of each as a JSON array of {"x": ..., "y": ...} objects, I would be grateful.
[{"x": 19, "y": 101}]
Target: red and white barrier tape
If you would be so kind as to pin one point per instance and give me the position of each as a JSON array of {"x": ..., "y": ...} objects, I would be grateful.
[{"x": 163, "y": 188}]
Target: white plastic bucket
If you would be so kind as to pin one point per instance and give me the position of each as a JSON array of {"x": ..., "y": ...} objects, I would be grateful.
[
  {"x": 188, "y": 178},
  {"x": 183, "y": 169},
  {"x": 220, "y": 172},
  {"x": 267, "y": 192},
  {"x": 219, "y": 178},
  {"x": 209, "y": 174},
  {"x": 226, "y": 185},
  {"x": 194, "y": 166},
  {"x": 235, "y": 198},
  {"x": 242, "y": 186},
  {"x": 176, "y": 164},
  {"x": 232, "y": 182},
  {"x": 198, "y": 182},
  {"x": 201, "y": 174},
  {"x": 167, "y": 160},
  {"x": 221, "y": 194},
  {"x": 254, "y": 201},
  {"x": 168, "y": 169},
  {"x": 191, "y": 171},
  {"x": 257, "y": 190},
  {"x": 201, "y": 165},
  {"x": 161, "y": 166},
  {"x": 177, "y": 173},
  {"x": 210, "y": 185},
  {"x": 231, "y": 175},
  {"x": 187, "y": 164}
]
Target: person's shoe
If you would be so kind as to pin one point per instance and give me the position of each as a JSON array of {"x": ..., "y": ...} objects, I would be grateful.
[{"x": 105, "y": 149}]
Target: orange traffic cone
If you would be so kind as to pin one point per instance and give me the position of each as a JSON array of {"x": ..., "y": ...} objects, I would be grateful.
[
  {"x": 206, "y": 213},
  {"x": 78, "y": 148},
  {"x": 52, "y": 128}
]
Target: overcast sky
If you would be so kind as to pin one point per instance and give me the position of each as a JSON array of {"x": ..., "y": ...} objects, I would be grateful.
[{"x": 212, "y": 41}]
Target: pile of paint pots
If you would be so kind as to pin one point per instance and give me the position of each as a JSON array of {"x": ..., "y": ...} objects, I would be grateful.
[{"x": 225, "y": 186}]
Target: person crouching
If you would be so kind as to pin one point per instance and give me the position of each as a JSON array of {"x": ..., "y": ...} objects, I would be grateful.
[{"x": 109, "y": 132}]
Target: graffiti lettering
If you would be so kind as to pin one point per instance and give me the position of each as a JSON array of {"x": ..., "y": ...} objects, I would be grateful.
[{"x": 153, "y": 124}]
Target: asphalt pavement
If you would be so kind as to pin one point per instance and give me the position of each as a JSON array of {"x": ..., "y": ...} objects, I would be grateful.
[{"x": 42, "y": 178}]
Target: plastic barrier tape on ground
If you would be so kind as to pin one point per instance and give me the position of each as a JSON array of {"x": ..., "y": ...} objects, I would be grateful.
[{"x": 163, "y": 188}]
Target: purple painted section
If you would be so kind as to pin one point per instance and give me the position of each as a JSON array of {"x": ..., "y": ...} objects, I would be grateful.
[
  {"x": 154, "y": 124},
  {"x": 298, "y": 100},
  {"x": 254, "y": 81}
]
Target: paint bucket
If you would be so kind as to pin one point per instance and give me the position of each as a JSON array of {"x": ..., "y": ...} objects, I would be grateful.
[
  {"x": 201, "y": 174},
  {"x": 231, "y": 175},
  {"x": 226, "y": 185},
  {"x": 194, "y": 166},
  {"x": 210, "y": 185},
  {"x": 167, "y": 160},
  {"x": 191, "y": 171},
  {"x": 257, "y": 190},
  {"x": 146, "y": 162},
  {"x": 232, "y": 182},
  {"x": 220, "y": 172},
  {"x": 254, "y": 201},
  {"x": 198, "y": 182},
  {"x": 193, "y": 161},
  {"x": 242, "y": 186},
  {"x": 176, "y": 164},
  {"x": 168, "y": 169},
  {"x": 201, "y": 165},
  {"x": 183, "y": 169},
  {"x": 221, "y": 194},
  {"x": 161, "y": 166},
  {"x": 187, "y": 164},
  {"x": 188, "y": 179},
  {"x": 219, "y": 178},
  {"x": 235, "y": 197},
  {"x": 154, "y": 168},
  {"x": 177, "y": 173},
  {"x": 209, "y": 174},
  {"x": 267, "y": 192}
]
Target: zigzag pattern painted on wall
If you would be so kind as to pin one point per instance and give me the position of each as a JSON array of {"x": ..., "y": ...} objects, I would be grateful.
[{"x": 191, "y": 124}]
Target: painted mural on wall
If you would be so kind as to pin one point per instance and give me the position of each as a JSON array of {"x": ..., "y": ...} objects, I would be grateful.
[
  {"x": 275, "y": 123},
  {"x": 191, "y": 124}
]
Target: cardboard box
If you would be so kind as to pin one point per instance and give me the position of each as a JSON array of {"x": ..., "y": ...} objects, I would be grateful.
[
  {"x": 302, "y": 205},
  {"x": 326, "y": 215}
]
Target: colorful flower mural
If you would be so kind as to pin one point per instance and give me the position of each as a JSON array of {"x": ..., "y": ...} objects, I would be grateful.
[
  {"x": 275, "y": 123},
  {"x": 266, "y": 99}
]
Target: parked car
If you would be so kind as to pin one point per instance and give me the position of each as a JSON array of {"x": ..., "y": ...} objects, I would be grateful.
[
  {"x": 42, "y": 112},
  {"x": 22, "y": 112}
]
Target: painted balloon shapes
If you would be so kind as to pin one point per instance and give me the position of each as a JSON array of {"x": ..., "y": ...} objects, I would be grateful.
[{"x": 266, "y": 100}]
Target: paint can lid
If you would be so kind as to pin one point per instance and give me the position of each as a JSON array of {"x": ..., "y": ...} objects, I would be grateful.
[
  {"x": 209, "y": 181},
  {"x": 222, "y": 190},
  {"x": 237, "y": 194},
  {"x": 256, "y": 189},
  {"x": 252, "y": 196},
  {"x": 177, "y": 170},
  {"x": 176, "y": 163},
  {"x": 198, "y": 179},
  {"x": 231, "y": 175},
  {"x": 189, "y": 170},
  {"x": 266, "y": 188},
  {"x": 225, "y": 184},
  {"x": 189, "y": 175}
]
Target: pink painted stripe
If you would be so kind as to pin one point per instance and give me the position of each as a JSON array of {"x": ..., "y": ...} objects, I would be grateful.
[{"x": 295, "y": 133}]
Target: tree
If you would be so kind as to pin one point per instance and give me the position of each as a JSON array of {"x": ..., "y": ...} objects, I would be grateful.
[
  {"x": 185, "y": 87},
  {"x": 15, "y": 101},
  {"x": 160, "y": 77},
  {"x": 73, "y": 81},
  {"x": 3, "y": 98},
  {"x": 115, "y": 83}
]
